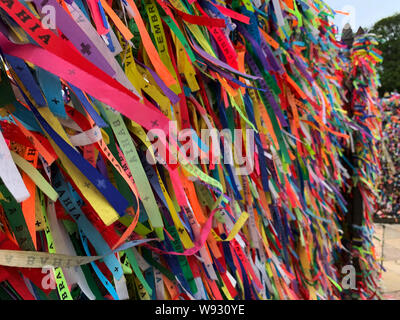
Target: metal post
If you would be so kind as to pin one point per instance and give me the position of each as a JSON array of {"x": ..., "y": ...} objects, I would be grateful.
[{"x": 354, "y": 215}]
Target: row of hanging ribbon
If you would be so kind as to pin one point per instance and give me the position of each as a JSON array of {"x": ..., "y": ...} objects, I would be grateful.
[{"x": 114, "y": 215}]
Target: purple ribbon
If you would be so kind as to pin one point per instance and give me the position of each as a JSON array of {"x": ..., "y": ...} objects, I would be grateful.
[
  {"x": 75, "y": 34},
  {"x": 219, "y": 63},
  {"x": 167, "y": 91}
]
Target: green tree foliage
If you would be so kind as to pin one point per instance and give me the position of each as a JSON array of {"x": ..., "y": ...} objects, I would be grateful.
[{"x": 388, "y": 29}]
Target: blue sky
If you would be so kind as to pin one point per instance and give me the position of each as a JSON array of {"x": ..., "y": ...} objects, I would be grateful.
[{"x": 363, "y": 12}]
